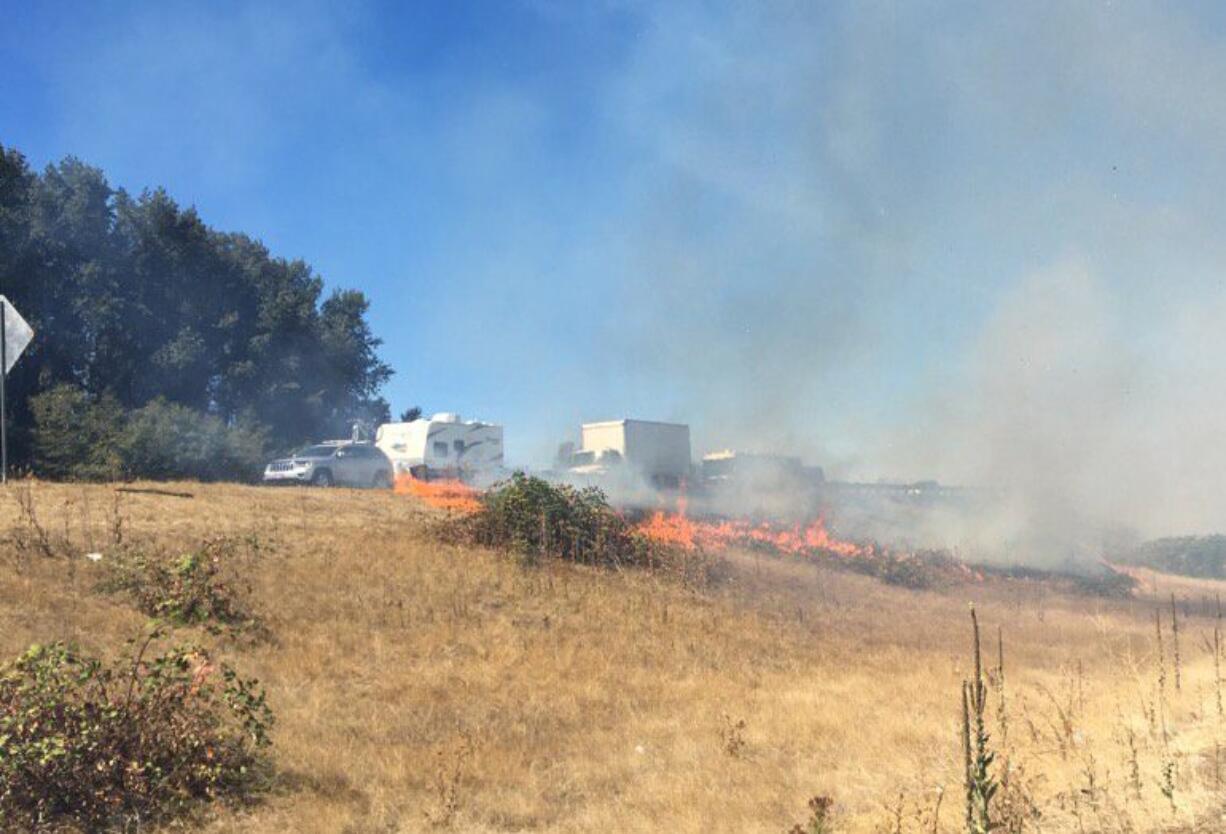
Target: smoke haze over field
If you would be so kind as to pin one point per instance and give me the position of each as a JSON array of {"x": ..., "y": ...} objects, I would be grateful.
[
  {"x": 984, "y": 248},
  {"x": 1089, "y": 423},
  {"x": 982, "y": 244}
]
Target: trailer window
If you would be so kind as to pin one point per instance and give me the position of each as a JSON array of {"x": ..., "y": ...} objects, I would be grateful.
[{"x": 440, "y": 449}]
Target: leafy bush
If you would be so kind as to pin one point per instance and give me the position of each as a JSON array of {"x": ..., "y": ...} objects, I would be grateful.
[
  {"x": 166, "y": 441},
  {"x": 538, "y": 519},
  {"x": 94, "y": 745},
  {"x": 541, "y": 520},
  {"x": 76, "y": 437},
  {"x": 197, "y": 588}
]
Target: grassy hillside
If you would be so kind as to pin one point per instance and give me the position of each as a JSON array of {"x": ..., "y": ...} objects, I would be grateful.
[
  {"x": 1200, "y": 556},
  {"x": 420, "y": 685}
]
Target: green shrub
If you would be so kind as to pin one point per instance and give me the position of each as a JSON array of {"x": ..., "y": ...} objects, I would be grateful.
[
  {"x": 197, "y": 588},
  {"x": 80, "y": 438},
  {"x": 538, "y": 519},
  {"x": 92, "y": 745},
  {"x": 75, "y": 436},
  {"x": 164, "y": 440}
]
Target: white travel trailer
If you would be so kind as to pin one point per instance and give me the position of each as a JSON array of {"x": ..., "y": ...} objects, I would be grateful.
[{"x": 443, "y": 446}]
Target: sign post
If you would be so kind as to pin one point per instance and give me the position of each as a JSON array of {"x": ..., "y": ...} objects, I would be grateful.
[
  {"x": 15, "y": 335},
  {"x": 4, "y": 383}
]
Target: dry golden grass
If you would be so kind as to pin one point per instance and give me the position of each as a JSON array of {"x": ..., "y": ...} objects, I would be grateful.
[{"x": 421, "y": 685}]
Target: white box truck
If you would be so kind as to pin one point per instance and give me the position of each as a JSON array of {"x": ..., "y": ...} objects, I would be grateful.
[{"x": 658, "y": 452}]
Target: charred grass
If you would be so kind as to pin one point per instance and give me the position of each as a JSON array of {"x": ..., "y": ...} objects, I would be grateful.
[{"x": 424, "y": 685}]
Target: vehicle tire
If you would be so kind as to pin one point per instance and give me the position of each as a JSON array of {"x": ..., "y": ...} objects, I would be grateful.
[
  {"x": 322, "y": 478},
  {"x": 383, "y": 480}
]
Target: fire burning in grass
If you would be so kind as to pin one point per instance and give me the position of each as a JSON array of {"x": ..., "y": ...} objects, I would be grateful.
[
  {"x": 678, "y": 530},
  {"x": 920, "y": 569},
  {"x": 681, "y": 531},
  {"x": 908, "y": 568},
  {"x": 443, "y": 495},
  {"x": 812, "y": 541}
]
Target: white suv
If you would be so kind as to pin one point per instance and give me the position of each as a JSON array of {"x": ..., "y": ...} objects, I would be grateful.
[{"x": 344, "y": 464}]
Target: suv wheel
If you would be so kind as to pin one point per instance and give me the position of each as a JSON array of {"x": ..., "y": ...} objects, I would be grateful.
[{"x": 322, "y": 478}]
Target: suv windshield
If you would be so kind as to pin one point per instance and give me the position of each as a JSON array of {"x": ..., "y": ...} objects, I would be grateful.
[{"x": 316, "y": 452}]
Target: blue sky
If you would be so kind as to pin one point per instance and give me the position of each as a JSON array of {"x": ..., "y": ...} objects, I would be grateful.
[{"x": 796, "y": 225}]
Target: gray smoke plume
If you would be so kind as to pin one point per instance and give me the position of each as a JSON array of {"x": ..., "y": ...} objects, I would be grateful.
[
  {"x": 1091, "y": 434},
  {"x": 979, "y": 246}
]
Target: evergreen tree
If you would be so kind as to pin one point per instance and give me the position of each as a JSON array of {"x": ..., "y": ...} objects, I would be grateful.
[{"x": 136, "y": 300}]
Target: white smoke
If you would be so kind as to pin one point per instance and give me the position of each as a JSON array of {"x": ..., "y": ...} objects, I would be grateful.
[{"x": 985, "y": 251}]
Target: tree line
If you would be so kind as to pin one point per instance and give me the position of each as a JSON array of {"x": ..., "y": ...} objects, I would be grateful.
[{"x": 163, "y": 347}]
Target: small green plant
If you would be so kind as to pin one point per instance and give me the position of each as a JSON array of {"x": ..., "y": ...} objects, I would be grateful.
[
  {"x": 1217, "y": 665},
  {"x": 448, "y": 776},
  {"x": 732, "y": 736},
  {"x": 1178, "y": 664},
  {"x": 29, "y": 537},
  {"x": 201, "y": 587},
  {"x": 117, "y": 521},
  {"x": 981, "y": 785},
  {"x": 1167, "y": 784},
  {"x": 1160, "y": 704},
  {"x": 931, "y": 823},
  {"x": 819, "y": 819},
  {"x": 94, "y": 745}
]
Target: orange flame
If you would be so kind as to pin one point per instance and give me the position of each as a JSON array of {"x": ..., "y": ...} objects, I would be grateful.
[
  {"x": 812, "y": 540},
  {"x": 678, "y": 530},
  {"x": 443, "y": 495}
]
